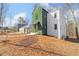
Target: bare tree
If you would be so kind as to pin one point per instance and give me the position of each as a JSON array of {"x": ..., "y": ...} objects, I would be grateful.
[
  {"x": 72, "y": 11},
  {"x": 3, "y": 10},
  {"x": 22, "y": 20}
]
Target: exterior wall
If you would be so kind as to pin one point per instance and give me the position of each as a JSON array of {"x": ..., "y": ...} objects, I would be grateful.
[
  {"x": 24, "y": 30},
  {"x": 42, "y": 16},
  {"x": 50, "y": 24},
  {"x": 62, "y": 25},
  {"x": 59, "y": 20},
  {"x": 21, "y": 30}
]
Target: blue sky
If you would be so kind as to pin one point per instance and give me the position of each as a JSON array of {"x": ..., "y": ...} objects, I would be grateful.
[
  {"x": 19, "y": 8},
  {"x": 24, "y": 9}
]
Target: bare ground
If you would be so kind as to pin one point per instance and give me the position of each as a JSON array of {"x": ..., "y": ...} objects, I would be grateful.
[{"x": 36, "y": 45}]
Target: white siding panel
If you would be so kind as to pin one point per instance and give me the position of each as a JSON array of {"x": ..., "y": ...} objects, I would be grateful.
[
  {"x": 61, "y": 24},
  {"x": 50, "y": 25}
]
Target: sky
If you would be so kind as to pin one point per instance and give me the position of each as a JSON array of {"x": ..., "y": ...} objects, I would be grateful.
[
  {"x": 25, "y": 10},
  {"x": 18, "y": 9}
]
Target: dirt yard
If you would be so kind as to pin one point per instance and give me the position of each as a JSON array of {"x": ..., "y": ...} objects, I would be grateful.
[{"x": 35, "y": 45}]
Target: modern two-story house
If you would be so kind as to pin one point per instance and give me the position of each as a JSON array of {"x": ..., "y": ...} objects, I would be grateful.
[{"x": 52, "y": 23}]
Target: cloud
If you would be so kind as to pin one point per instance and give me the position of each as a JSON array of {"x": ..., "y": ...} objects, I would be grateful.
[
  {"x": 15, "y": 21},
  {"x": 44, "y": 5},
  {"x": 20, "y": 15}
]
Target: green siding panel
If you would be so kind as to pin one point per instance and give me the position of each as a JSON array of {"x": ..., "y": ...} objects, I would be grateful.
[
  {"x": 39, "y": 14},
  {"x": 44, "y": 21}
]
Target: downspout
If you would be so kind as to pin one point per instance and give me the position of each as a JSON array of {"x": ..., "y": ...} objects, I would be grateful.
[{"x": 58, "y": 25}]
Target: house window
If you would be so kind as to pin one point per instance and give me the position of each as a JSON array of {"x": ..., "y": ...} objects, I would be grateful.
[
  {"x": 55, "y": 15},
  {"x": 55, "y": 26}
]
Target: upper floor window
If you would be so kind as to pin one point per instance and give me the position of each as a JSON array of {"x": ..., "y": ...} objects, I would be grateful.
[
  {"x": 55, "y": 15},
  {"x": 55, "y": 26}
]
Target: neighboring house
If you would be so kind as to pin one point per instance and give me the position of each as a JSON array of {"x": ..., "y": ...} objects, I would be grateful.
[
  {"x": 21, "y": 25},
  {"x": 39, "y": 20},
  {"x": 4, "y": 30},
  {"x": 56, "y": 24},
  {"x": 25, "y": 29}
]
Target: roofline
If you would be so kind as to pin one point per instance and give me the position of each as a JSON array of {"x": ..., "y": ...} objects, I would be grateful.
[
  {"x": 35, "y": 7},
  {"x": 45, "y": 10}
]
